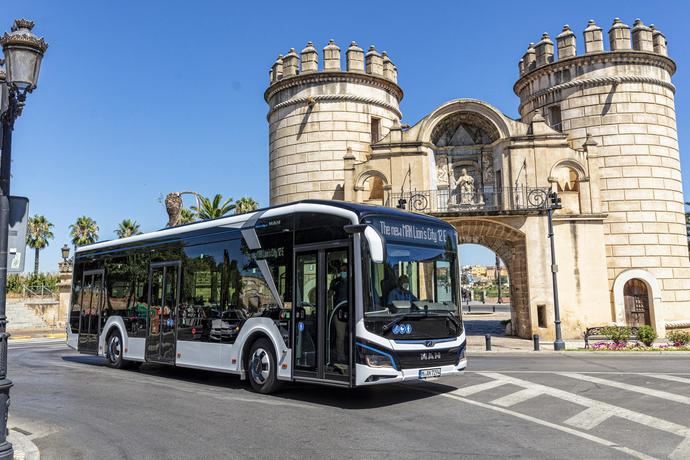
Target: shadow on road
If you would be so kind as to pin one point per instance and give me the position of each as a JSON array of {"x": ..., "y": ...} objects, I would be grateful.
[{"x": 343, "y": 398}]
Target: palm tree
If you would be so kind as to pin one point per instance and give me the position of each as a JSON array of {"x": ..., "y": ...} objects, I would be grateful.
[
  {"x": 245, "y": 204},
  {"x": 186, "y": 216},
  {"x": 213, "y": 209},
  {"x": 84, "y": 231},
  {"x": 127, "y": 228},
  {"x": 37, "y": 235}
]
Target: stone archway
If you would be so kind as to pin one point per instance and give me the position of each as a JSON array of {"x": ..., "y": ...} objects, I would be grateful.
[{"x": 510, "y": 246}]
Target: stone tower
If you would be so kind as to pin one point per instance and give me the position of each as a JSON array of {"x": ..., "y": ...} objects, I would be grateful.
[
  {"x": 317, "y": 116},
  {"x": 623, "y": 98}
]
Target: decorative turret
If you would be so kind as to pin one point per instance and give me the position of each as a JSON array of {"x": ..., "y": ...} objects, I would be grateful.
[
  {"x": 544, "y": 50},
  {"x": 310, "y": 59},
  {"x": 388, "y": 67},
  {"x": 355, "y": 58},
  {"x": 659, "y": 42},
  {"x": 290, "y": 64},
  {"x": 642, "y": 37},
  {"x": 307, "y": 62},
  {"x": 331, "y": 56},
  {"x": 594, "y": 38},
  {"x": 277, "y": 69},
  {"x": 374, "y": 61},
  {"x": 619, "y": 36},
  {"x": 566, "y": 43}
]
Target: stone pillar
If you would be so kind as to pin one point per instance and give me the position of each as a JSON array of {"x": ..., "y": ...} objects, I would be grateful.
[
  {"x": 331, "y": 57},
  {"x": 642, "y": 37},
  {"x": 355, "y": 58},
  {"x": 544, "y": 50},
  {"x": 659, "y": 41},
  {"x": 594, "y": 38},
  {"x": 619, "y": 36},
  {"x": 65, "y": 291},
  {"x": 374, "y": 62},
  {"x": 291, "y": 64},
  {"x": 349, "y": 175},
  {"x": 530, "y": 58},
  {"x": 310, "y": 59},
  {"x": 566, "y": 43}
]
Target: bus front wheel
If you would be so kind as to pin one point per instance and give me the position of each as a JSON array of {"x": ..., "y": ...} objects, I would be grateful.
[
  {"x": 262, "y": 367},
  {"x": 114, "y": 351}
]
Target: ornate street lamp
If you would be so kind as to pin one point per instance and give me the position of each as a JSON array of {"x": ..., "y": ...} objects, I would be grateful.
[
  {"x": 65, "y": 252},
  {"x": 23, "y": 52}
]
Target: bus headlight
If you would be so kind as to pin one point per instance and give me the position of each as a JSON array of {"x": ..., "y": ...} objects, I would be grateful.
[
  {"x": 375, "y": 360},
  {"x": 374, "y": 357}
]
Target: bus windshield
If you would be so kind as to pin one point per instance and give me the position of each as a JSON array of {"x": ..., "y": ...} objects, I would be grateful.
[{"x": 413, "y": 294}]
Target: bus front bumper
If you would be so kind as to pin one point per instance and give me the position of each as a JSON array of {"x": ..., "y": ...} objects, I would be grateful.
[{"x": 381, "y": 375}]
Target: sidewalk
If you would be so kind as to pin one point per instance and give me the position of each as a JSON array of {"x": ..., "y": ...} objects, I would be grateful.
[
  {"x": 24, "y": 448},
  {"x": 33, "y": 334}
]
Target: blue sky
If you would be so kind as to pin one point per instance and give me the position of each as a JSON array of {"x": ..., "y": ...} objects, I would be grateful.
[{"x": 139, "y": 98}]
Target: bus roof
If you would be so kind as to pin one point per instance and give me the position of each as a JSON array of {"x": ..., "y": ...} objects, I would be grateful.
[{"x": 353, "y": 211}]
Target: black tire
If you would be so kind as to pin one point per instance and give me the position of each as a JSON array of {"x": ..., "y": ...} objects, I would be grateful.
[
  {"x": 262, "y": 367},
  {"x": 114, "y": 351}
]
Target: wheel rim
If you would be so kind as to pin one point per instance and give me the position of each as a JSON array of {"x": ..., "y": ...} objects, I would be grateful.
[
  {"x": 114, "y": 349},
  {"x": 260, "y": 366}
]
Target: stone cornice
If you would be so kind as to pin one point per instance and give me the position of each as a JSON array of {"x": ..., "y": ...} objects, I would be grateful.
[
  {"x": 333, "y": 98},
  {"x": 329, "y": 77},
  {"x": 600, "y": 81},
  {"x": 611, "y": 57}
]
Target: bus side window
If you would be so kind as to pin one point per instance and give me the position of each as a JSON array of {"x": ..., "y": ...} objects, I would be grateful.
[{"x": 75, "y": 310}]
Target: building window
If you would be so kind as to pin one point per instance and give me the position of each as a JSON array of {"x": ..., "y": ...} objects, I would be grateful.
[
  {"x": 554, "y": 117},
  {"x": 375, "y": 129}
]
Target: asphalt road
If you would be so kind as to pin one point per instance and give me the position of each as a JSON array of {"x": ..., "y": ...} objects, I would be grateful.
[{"x": 576, "y": 405}]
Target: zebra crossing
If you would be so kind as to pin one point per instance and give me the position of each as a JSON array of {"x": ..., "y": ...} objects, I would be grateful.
[{"x": 607, "y": 406}]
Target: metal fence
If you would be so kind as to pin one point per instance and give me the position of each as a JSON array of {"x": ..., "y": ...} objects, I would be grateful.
[{"x": 487, "y": 199}]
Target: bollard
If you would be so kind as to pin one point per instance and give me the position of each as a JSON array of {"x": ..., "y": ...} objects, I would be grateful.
[
  {"x": 469, "y": 308},
  {"x": 494, "y": 308},
  {"x": 487, "y": 339},
  {"x": 535, "y": 339}
]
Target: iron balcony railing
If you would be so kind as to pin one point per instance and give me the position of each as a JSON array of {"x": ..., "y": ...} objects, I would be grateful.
[{"x": 483, "y": 200}]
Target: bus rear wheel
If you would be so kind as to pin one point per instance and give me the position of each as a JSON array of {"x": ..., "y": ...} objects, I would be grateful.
[{"x": 262, "y": 368}]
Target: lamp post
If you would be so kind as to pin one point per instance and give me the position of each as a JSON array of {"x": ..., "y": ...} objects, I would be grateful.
[
  {"x": 498, "y": 279},
  {"x": 553, "y": 204},
  {"x": 65, "y": 252},
  {"x": 23, "y": 52}
]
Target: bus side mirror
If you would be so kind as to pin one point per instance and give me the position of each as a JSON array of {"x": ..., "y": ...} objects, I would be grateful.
[{"x": 355, "y": 228}]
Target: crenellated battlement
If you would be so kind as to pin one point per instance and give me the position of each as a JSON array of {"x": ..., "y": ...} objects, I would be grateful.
[
  {"x": 356, "y": 61},
  {"x": 621, "y": 39}
]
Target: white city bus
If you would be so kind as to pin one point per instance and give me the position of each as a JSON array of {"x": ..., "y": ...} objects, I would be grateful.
[{"x": 315, "y": 291}]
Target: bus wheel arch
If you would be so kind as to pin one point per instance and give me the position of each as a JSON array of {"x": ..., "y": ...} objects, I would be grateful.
[{"x": 261, "y": 341}]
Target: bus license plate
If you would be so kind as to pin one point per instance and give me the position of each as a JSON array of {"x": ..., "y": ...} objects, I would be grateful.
[{"x": 425, "y": 374}]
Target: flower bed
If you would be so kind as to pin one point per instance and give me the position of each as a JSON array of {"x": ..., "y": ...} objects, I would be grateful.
[{"x": 637, "y": 346}]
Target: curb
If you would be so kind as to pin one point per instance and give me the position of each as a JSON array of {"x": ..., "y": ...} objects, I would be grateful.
[
  {"x": 26, "y": 338},
  {"x": 24, "y": 447},
  {"x": 471, "y": 352}
]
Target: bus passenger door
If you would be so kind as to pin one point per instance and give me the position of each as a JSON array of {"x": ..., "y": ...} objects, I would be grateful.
[
  {"x": 164, "y": 285},
  {"x": 91, "y": 303},
  {"x": 322, "y": 332}
]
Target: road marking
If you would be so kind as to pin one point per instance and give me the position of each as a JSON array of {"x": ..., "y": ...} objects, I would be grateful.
[
  {"x": 517, "y": 397},
  {"x": 589, "y": 418},
  {"x": 683, "y": 449},
  {"x": 626, "y": 386},
  {"x": 681, "y": 452},
  {"x": 670, "y": 378},
  {"x": 466, "y": 391},
  {"x": 529, "y": 418},
  {"x": 578, "y": 372}
]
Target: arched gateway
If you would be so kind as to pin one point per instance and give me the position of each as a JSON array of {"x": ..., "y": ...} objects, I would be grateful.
[{"x": 335, "y": 132}]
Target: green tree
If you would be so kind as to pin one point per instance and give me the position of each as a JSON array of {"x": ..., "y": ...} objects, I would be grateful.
[
  {"x": 187, "y": 216},
  {"x": 213, "y": 208},
  {"x": 245, "y": 204},
  {"x": 38, "y": 235},
  {"x": 83, "y": 231},
  {"x": 127, "y": 228}
]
